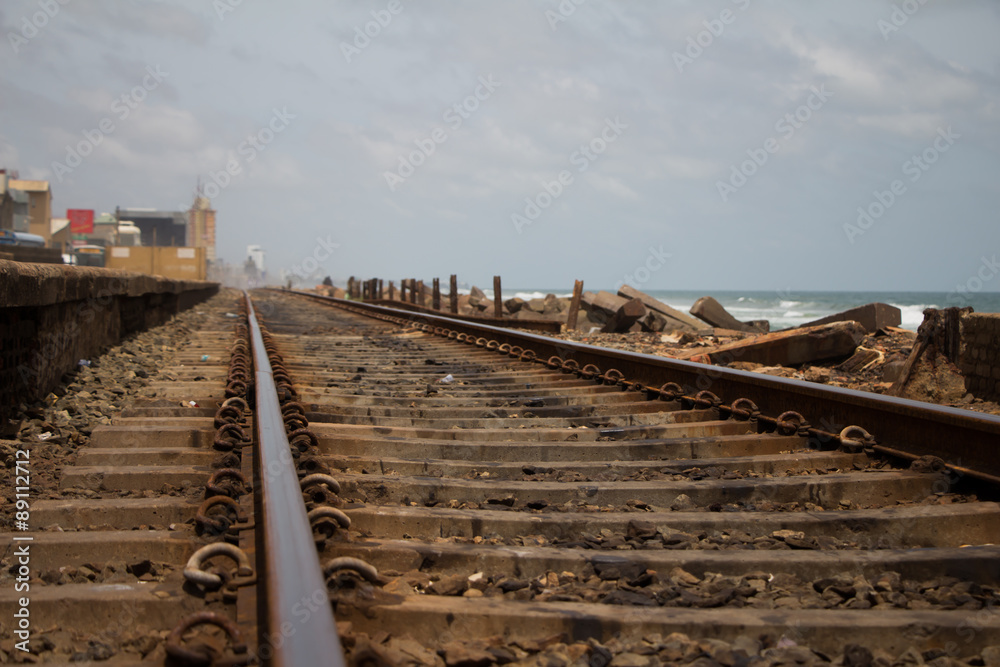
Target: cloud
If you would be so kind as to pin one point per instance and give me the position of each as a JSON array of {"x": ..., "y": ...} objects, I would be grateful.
[
  {"x": 164, "y": 20},
  {"x": 355, "y": 120}
]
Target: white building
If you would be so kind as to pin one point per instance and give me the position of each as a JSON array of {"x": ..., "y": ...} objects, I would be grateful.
[{"x": 256, "y": 254}]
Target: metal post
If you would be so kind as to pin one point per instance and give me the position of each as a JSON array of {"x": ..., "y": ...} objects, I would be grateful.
[
  {"x": 497, "y": 298},
  {"x": 436, "y": 294},
  {"x": 453, "y": 295}
]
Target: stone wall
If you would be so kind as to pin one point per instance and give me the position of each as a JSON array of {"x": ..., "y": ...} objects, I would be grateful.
[
  {"x": 51, "y": 316},
  {"x": 980, "y": 357}
]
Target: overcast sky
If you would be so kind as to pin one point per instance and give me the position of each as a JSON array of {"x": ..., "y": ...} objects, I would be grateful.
[{"x": 725, "y": 144}]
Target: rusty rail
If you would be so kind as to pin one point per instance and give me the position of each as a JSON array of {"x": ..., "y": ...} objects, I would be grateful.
[
  {"x": 899, "y": 426},
  {"x": 300, "y": 632}
]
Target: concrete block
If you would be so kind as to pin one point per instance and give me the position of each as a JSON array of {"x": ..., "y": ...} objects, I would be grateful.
[
  {"x": 626, "y": 317},
  {"x": 871, "y": 316},
  {"x": 788, "y": 348},
  {"x": 712, "y": 312},
  {"x": 675, "y": 318}
]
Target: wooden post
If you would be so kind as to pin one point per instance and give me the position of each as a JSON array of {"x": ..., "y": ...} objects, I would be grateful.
[
  {"x": 350, "y": 287},
  {"x": 497, "y": 298},
  {"x": 436, "y": 294},
  {"x": 381, "y": 289},
  {"x": 413, "y": 290},
  {"x": 421, "y": 301},
  {"x": 402, "y": 290},
  {"x": 392, "y": 291},
  {"x": 574, "y": 305},
  {"x": 453, "y": 295}
]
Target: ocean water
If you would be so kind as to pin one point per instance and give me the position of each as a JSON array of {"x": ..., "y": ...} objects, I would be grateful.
[{"x": 790, "y": 309}]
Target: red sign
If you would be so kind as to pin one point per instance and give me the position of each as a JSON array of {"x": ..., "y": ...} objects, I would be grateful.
[{"x": 81, "y": 220}]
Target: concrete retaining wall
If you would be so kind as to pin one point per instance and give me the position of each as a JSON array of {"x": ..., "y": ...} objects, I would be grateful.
[
  {"x": 31, "y": 254},
  {"x": 980, "y": 357},
  {"x": 52, "y": 316}
]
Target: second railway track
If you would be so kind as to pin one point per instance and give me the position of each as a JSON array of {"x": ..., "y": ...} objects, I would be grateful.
[{"x": 518, "y": 512}]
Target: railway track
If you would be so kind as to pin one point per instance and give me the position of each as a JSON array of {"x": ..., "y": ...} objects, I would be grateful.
[
  {"x": 462, "y": 495},
  {"x": 517, "y": 511}
]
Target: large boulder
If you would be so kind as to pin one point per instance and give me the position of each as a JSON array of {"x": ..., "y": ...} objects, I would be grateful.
[
  {"x": 535, "y": 305},
  {"x": 514, "y": 305}
]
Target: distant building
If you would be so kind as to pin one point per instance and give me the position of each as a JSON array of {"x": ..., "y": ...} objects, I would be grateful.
[
  {"x": 6, "y": 203},
  {"x": 255, "y": 254},
  {"x": 201, "y": 226},
  {"x": 157, "y": 228},
  {"x": 20, "y": 218},
  {"x": 39, "y": 206},
  {"x": 59, "y": 235}
]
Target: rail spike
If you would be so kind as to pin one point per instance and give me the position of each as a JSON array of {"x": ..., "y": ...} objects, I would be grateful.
[{"x": 194, "y": 573}]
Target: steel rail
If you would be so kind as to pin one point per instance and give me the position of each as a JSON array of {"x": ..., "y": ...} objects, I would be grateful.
[
  {"x": 968, "y": 441},
  {"x": 301, "y": 632}
]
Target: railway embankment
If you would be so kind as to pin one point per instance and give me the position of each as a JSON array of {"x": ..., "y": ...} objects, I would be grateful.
[{"x": 52, "y": 317}]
